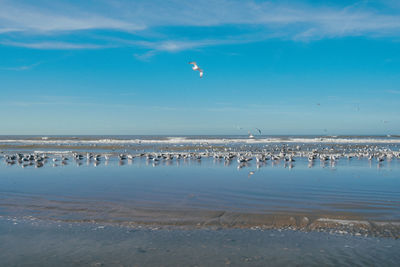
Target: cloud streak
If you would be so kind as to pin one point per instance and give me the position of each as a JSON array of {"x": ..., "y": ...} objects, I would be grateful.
[
  {"x": 20, "y": 16},
  {"x": 149, "y": 24},
  {"x": 21, "y": 68},
  {"x": 51, "y": 45}
]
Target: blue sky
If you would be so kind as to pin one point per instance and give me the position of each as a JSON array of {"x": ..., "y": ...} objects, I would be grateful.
[{"x": 121, "y": 67}]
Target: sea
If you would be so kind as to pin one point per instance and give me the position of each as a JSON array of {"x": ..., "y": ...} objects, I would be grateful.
[{"x": 178, "y": 200}]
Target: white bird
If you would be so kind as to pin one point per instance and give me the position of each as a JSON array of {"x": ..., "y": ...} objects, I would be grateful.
[{"x": 195, "y": 67}]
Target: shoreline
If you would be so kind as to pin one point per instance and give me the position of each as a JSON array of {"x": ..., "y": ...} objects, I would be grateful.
[
  {"x": 87, "y": 244},
  {"x": 193, "y": 219}
]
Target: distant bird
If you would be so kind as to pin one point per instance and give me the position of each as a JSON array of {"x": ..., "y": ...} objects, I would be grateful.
[
  {"x": 195, "y": 67},
  {"x": 318, "y": 104},
  {"x": 258, "y": 130}
]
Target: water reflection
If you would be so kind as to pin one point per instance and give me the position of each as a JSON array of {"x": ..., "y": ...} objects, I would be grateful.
[
  {"x": 323, "y": 164},
  {"x": 217, "y": 183},
  {"x": 243, "y": 165},
  {"x": 275, "y": 163},
  {"x": 167, "y": 162},
  {"x": 333, "y": 164},
  {"x": 379, "y": 165},
  {"x": 261, "y": 164}
]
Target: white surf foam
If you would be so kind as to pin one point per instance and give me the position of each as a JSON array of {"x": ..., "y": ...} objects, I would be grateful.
[{"x": 205, "y": 141}]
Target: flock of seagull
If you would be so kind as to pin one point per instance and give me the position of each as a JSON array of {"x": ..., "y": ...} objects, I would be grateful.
[{"x": 287, "y": 155}]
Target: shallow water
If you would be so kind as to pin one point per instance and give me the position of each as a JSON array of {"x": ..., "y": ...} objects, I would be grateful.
[{"x": 127, "y": 191}]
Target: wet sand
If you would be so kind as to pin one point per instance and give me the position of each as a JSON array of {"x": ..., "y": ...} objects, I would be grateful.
[
  {"x": 87, "y": 244},
  {"x": 132, "y": 216}
]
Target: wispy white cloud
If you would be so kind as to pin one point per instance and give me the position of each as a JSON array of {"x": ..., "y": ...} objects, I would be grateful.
[
  {"x": 173, "y": 46},
  {"x": 322, "y": 20},
  {"x": 179, "y": 45},
  {"x": 51, "y": 45},
  {"x": 21, "y": 68},
  {"x": 7, "y": 30},
  {"x": 150, "y": 22},
  {"x": 42, "y": 18}
]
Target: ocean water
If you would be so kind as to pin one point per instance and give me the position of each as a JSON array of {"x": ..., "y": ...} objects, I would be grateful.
[{"x": 199, "y": 211}]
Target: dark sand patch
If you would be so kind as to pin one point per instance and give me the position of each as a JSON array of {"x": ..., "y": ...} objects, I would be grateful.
[
  {"x": 87, "y": 244},
  {"x": 159, "y": 215}
]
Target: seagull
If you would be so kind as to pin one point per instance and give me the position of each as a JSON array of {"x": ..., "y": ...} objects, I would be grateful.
[
  {"x": 250, "y": 174},
  {"x": 195, "y": 67}
]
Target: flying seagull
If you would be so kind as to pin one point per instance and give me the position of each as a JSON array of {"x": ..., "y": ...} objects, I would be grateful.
[{"x": 195, "y": 67}]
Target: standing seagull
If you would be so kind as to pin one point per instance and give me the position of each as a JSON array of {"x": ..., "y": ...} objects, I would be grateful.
[{"x": 195, "y": 67}]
